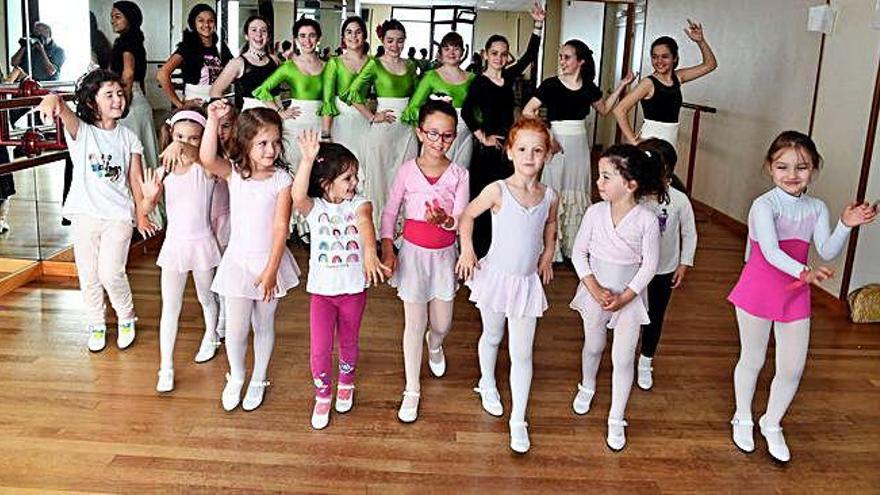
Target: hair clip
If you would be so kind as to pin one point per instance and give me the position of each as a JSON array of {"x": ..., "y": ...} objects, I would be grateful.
[
  {"x": 649, "y": 154},
  {"x": 441, "y": 97}
]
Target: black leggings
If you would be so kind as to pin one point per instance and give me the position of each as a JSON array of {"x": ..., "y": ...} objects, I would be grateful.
[{"x": 659, "y": 292}]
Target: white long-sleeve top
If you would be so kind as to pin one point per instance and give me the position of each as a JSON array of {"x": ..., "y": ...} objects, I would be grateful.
[
  {"x": 778, "y": 216},
  {"x": 678, "y": 231}
]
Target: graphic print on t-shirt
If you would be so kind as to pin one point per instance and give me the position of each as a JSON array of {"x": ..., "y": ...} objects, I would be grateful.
[
  {"x": 101, "y": 165},
  {"x": 211, "y": 69},
  {"x": 662, "y": 218},
  {"x": 338, "y": 240}
]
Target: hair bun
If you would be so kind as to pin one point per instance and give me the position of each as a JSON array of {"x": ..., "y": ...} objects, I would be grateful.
[{"x": 380, "y": 32}]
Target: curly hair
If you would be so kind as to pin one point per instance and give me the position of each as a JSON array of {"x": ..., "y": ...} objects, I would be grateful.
[
  {"x": 247, "y": 126},
  {"x": 333, "y": 160},
  {"x": 642, "y": 167},
  {"x": 528, "y": 124},
  {"x": 87, "y": 90}
]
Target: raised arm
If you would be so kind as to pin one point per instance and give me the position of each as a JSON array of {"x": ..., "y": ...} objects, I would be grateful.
[
  {"x": 694, "y": 31},
  {"x": 52, "y": 106},
  {"x": 164, "y": 78},
  {"x": 233, "y": 70},
  {"x": 621, "y": 111},
  {"x": 531, "y": 54},
  {"x": 604, "y": 107},
  {"x": 299, "y": 192},
  {"x": 208, "y": 151}
]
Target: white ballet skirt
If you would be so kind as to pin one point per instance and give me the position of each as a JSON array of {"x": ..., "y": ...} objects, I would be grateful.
[
  {"x": 668, "y": 131},
  {"x": 568, "y": 173},
  {"x": 307, "y": 119},
  {"x": 424, "y": 274},
  {"x": 247, "y": 103},
  {"x": 506, "y": 279},
  {"x": 387, "y": 147},
  {"x": 615, "y": 278},
  {"x": 189, "y": 242},
  {"x": 252, "y": 209},
  {"x": 350, "y": 129},
  {"x": 200, "y": 91},
  {"x": 463, "y": 147}
]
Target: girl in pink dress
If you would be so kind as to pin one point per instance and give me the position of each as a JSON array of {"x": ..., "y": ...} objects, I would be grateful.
[
  {"x": 506, "y": 284},
  {"x": 256, "y": 269},
  {"x": 220, "y": 207},
  {"x": 773, "y": 290},
  {"x": 433, "y": 192},
  {"x": 615, "y": 255},
  {"x": 189, "y": 244}
]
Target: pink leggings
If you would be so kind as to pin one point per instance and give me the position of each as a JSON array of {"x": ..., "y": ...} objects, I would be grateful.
[{"x": 342, "y": 314}]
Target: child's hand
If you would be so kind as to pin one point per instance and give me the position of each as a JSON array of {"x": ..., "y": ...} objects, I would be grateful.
[
  {"x": 174, "y": 156},
  {"x": 309, "y": 144},
  {"x": 146, "y": 228},
  {"x": 678, "y": 276},
  {"x": 545, "y": 268},
  {"x": 856, "y": 214},
  {"x": 816, "y": 275},
  {"x": 467, "y": 263},
  {"x": 267, "y": 282},
  {"x": 50, "y": 107},
  {"x": 218, "y": 110},
  {"x": 436, "y": 215},
  {"x": 151, "y": 184},
  {"x": 290, "y": 112},
  {"x": 375, "y": 271},
  {"x": 618, "y": 301},
  {"x": 389, "y": 261},
  {"x": 602, "y": 295}
]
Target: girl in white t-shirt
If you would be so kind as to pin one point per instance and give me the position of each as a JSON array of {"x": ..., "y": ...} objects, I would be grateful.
[
  {"x": 106, "y": 182},
  {"x": 342, "y": 264}
]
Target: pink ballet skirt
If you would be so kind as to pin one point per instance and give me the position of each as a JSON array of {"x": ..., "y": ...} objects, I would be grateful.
[
  {"x": 615, "y": 278},
  {"x": 189, "y": 243},
  {"x": 506, "y": 279},
  {"x": 252, "y": 207},
  {"x": 767, "y": 292},
  {"x": 424, "y": 274},
  {"x": 220, "y": 223}
]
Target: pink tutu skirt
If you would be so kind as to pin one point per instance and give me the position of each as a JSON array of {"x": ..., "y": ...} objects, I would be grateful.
[
  {"x": 184, "y": 255},
  {"x": 221, "y": 228},
  {"x": 516, "y": 296},
  {"x": 424, "y": 274},
  {"x": 237, "y": 274}
]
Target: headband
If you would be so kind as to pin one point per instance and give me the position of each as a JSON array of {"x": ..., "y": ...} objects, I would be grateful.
[{"x": 187, "y": 115}]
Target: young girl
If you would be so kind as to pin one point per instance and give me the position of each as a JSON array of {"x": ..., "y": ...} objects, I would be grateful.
[
  {"x": 220, "y": 206},
  {"x": 615, "y": 256},
  {"x": 247, "y": 71},
  {"x": 506, "y": 283},
  {"x": 678, "y": 243},
  {"x": 256, "y": 269},
  {"x": 433, "y": 192},
  {"x": 774, "y": 287},
  {"x": 104, "y": 198},
  {"x": 343, "y": 262},
  {"x": 189, "y": 244}
]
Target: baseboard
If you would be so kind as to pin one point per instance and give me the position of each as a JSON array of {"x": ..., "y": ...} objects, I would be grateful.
[{"x": 721, "y": 218}]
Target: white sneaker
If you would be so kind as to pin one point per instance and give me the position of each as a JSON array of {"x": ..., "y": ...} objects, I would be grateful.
[
  {"x": 166, "y": 381},
  {"x": 97, "y": 337},
  {"x": 321, "y": 413},
  {"x": 491, "y": 400},
  {"x": 253, "y": 398},
  {"x": 409, "y": 413},
  {"x": 438, "y": 369},
  {"x": 125, "y": 334},
  {"x": 207, "y": 350},
  {"x": 616, "y": 438},
  {"x": 232, "y": 392},
  {"x": 743, "y": 435},
  {"x": 581, "y": 403},
  {"x": 776, "y": 445},
  {"x": 645, "y": 372},
  {"x": 519, "y": 437},
  {"x": 344, "y": 398}
]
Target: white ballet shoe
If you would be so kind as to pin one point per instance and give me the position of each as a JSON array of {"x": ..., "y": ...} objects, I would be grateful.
[
  {"x": 125, "y": 334},
  {"x": 207, "y": 350},
  {"x": 166, "y": 381},
  {"x": 409, "y": 414},
  {"x": 519, "y": 437},
  {"x": 232, "y": 392},
  {"x": 743, "y": 434},
  {"x": 344, "y": 398},
  {"x": 582, "y": 400},
  {"x": 97, "y": 338},
  {"x": 776, "y": 445},
  {"x": 491, "y": 400},
  {"x": 321, "y": 413},
  {"x": 645, "y": 373},
  {"x": 438, "y": 369},
  {"x": 253, "y": 398},
  {"x": 616, "y": 438}
]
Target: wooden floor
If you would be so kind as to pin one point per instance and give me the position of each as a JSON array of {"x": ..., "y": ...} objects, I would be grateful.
[{"x": 75, "y": 421}]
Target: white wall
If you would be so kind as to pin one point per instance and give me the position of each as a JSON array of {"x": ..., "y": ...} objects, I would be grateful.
[{"x": 866, "y": 269}]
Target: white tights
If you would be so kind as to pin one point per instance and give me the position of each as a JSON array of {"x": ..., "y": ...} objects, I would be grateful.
[
  {"x": 792, "y": 342},
  {"x": 417, "y": 316},
  {"x": 173, "y": 287},
  {"x": 240, "y": 313},
  {"x": 519, "y": 344},
  {"x": 623, "y": 351}
]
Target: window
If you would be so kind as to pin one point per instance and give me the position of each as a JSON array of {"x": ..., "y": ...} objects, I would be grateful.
[{"x": 425, "y": 27}]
